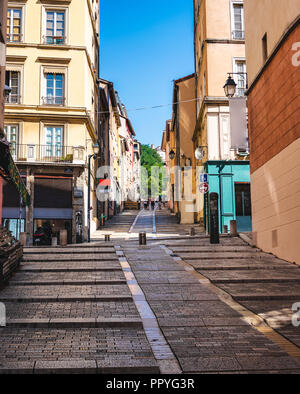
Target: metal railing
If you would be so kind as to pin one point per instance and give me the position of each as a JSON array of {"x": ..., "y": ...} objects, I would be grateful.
[
  {"x": 14, "y": 37},
  {"x": 47, "y": 153},
  {"x": 54, "y": 40},
  {"x": 13, "y": 99},
  {"x": 60, "y": 101},
  {"x": 238, "y": 35}
]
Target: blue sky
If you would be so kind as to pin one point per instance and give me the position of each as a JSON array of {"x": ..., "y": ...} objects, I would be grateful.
[{"x": 144, "y": 46}]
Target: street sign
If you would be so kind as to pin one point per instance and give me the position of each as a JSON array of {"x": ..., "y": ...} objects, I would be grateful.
[
  {"x": 203, "y": 178},
  {"x": 204, "y": 188},
  {"x": 104, "y": 182}
]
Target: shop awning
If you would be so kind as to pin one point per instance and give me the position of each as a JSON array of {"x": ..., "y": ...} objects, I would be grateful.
[{"x": 10, "y": 172}]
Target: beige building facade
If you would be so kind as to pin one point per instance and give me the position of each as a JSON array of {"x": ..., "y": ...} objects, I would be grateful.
[
  {"x": 183, "y": 125},
  {"x": 273, "y": 61},
  {"x": 51, "y": 113},
  {"x": 219, "y": 46}
]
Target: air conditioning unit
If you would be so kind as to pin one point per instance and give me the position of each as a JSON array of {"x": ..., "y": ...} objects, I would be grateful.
[{"x": 243, "y": 151}]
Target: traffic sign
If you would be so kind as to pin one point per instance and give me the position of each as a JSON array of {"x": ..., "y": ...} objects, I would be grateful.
[
  {"x": 204, "y": 188},
  {"x": 203, "y": 178}
]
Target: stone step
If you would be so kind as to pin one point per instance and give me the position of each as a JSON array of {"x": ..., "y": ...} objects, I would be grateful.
[
  {"x": 29, "y": 268},
  {"x": 58, "y": 298},
  {"x": 80, "y": 350},
  {"x": 254, "y": 276},
  {"x": 117, "y": 308},
  {"x": 67, "y": 282},
  {"x": 65, "y": 291},
  {"x": 213, "y": 249},
  {"x": 70, "y": 257},
  {"x": 221, "y": 255},
  {"x": 75, "y": 323},
  {"x": 53, "y": 250}
]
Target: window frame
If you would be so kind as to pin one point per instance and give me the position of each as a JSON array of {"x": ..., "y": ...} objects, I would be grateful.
[
  {"x": 235, "y": 62},
  {"x": 21, "y": 7},
  {"x": 56, "y": 70},
  {"x": 233, "y": 4},
  {"x": 19, "y": 68},
  {"x": 53, "y": 145},
  {"x": 17, "y": 126},
  {"x": 54, "y": 9}
]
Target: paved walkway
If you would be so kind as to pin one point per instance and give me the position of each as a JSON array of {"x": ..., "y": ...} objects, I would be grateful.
[{"x": 177, "y": 305}]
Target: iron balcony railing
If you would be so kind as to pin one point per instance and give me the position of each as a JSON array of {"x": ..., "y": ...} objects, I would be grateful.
[
  {"x": 54, "y": 40},
  {"x": 13, "y": 99},
  {"x": 60, "y": 101},
  {"x": 14, "y": 37},
  {"x": 238, "y": 35},
  {"x": 47, "y": 153}
]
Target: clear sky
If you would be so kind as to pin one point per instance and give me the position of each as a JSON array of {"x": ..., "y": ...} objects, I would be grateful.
[{"x": 144, "y": 46}]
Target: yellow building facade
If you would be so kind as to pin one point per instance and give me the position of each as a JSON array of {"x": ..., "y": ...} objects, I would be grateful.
[{"x": 51, "y": 113}]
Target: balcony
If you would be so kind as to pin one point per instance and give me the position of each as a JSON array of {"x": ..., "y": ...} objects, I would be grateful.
[
  {"x": 54, "y": 40},
  {"x": 55, "y": 101},
  {"x": 238, "y": 35},
  {"x": 47, "y": 153},
  {"x": 13, "y": 99},
  {"x": 14, "y": 38}
]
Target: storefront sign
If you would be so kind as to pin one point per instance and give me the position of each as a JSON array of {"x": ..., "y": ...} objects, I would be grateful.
[
  {"x": 14, "y": 176},
  {"x": 238, "y": 123}
]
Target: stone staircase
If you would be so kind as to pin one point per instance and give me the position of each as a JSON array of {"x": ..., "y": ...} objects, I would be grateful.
[{"x": 69, "y": 310}]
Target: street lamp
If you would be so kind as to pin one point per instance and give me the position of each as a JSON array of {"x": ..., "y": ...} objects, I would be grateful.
[
  {"x": 172, "y": 155},
  {"x": 230, "y": 87},
  {"x": 94, "y": 156}
]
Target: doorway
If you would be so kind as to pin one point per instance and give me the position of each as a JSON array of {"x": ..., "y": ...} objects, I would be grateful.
[{"x": 243, "y": 207}]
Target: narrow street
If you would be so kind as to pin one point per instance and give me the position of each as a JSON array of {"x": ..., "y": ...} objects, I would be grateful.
[{"x": 177, "y": 305}]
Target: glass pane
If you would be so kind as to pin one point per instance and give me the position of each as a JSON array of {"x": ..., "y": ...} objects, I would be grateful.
[{"x": 50, "y": 16}]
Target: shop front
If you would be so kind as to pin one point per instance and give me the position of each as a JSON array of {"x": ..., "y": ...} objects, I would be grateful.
[{"x": 231, "y": 180}]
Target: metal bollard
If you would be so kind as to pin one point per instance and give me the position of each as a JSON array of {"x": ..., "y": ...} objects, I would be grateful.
[
  {"x": 214, "y": 218},
  {"x": 142, "y": 238},
  {"x": 63, "y": 237},
  {"x": 22, "y": 238},
  {"x": 233, "y": 229},
  {"x": 192, "y": 232},
  {"x": 107, "y": 237}
]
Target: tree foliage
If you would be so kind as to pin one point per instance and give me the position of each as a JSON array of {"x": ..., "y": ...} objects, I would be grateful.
[{"x": 151, "y": 178}]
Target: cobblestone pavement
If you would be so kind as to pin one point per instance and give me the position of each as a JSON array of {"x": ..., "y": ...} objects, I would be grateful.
[
  {"x": 188, "y": 282},
  {"x": 177, "y": 305},
  {"x": 70, "y": 310}
]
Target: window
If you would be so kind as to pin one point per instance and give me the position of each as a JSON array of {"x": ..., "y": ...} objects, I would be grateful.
[
  {"x": 240, "y": 77},
  {"x": 12, "y": 135},
  {"x": 55, "y": 27},
  {"x": 53, "y": 142},
  {"x": 14, "y": 25},
  {"x": 12, "y": 79},
  {"x": 238, "y": 30},
  {"x": 54, "y": 89},
  {"x": 265, "y": 47}
]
